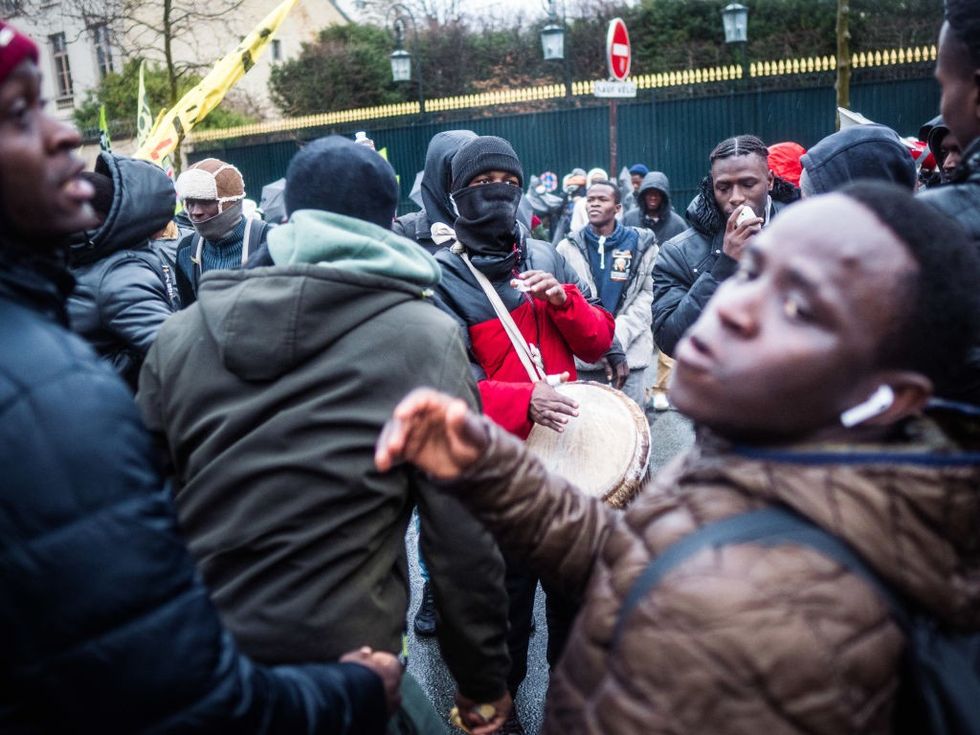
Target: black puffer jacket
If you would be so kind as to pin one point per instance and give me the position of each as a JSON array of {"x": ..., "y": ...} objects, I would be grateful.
[
  {"x": 960, "y": 200},
  {"x": 106, "y": 625},
  {"x": 691, "y": 266},
  {"x": 125, "y": 288},
  {"x": 665, "y": 222}
]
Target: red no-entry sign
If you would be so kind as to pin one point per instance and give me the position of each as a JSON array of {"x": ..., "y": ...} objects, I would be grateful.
[{"x": 618, "y": 49}]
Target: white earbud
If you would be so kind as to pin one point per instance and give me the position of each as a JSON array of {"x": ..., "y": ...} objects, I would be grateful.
[{"x": 875, "y": 405}]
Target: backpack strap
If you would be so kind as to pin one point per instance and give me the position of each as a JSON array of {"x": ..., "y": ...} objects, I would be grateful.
[{"x": 770, "y": 526}]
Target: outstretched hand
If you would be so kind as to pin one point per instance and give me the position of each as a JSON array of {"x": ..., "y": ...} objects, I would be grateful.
[{"x": 433, "y": 431}]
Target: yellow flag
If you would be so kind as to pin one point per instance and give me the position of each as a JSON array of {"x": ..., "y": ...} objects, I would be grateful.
[
  {"x": 144, "y": 120},
  {"x": 198, "y": 102}
]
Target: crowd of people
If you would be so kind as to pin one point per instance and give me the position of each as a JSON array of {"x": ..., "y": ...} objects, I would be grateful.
[{"x": 216, "y": 431}]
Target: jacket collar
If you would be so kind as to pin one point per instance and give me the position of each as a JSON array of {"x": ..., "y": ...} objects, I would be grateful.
[{"x": 39, "y": 281}]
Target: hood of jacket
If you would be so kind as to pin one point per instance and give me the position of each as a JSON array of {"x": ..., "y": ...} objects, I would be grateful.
[
  {"x": 659, "y": 181},
  {"x": 437, "y": 178},
  {"x": 858, "y": 152},
  {"x": 143, "y": 202},
  {"x": 909, "y": 506},
  {"x": 705, "y": 217},
  {"x": 333, "y": 273}
]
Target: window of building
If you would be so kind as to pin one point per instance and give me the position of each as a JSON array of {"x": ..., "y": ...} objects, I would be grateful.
[
  {"x": 62, "y": 69},
  {"x": 276, "y": 49},
  {"x": 10, "y": 8},
  {"x": 103, "y": 49}
]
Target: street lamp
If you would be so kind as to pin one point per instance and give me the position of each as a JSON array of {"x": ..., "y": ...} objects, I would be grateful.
[
  {"x": 401, "y": 60},
  {"x": 735, "y": 20},
  {"x": 553, "y": 42}
]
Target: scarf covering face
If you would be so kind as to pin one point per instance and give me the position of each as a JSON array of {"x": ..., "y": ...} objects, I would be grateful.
[
  {"x": 487, "y": 226},
  {"x": 221, "y": 225}
]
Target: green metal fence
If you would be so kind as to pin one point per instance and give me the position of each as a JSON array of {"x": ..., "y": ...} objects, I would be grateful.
[{"x": 673, "y": 135}]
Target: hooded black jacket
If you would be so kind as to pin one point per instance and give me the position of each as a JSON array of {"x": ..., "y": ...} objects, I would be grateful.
[
  {"x": 125, "y": 290},
  {"x": 668, "y": 223},
  {"x": 437, "y": 178},
  {"x": 107, "y": 626},
  {"x": 691, "y": 266}
]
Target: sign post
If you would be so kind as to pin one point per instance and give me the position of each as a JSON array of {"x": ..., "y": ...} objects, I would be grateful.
[{"x": 618, "y": 56}]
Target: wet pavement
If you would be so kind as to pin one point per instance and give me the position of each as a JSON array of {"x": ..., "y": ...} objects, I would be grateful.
[{"x": 671, "y": 433}]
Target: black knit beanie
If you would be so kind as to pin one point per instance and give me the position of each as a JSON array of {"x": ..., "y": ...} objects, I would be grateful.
[
  {"x": 337, "y": 175},
  {"x": 485, "y": 153}
]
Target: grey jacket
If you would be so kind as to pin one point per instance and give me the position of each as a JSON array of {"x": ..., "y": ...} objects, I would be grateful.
[
  {"x": 633, "y": 317},
  {"x": 125, "y": 290}
]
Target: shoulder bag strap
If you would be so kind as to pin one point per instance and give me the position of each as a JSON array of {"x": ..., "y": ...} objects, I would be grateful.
[{"x": 771, "y": 526}]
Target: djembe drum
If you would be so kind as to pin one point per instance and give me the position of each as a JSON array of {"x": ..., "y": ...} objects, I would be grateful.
[{"x": 605, "y": 450}]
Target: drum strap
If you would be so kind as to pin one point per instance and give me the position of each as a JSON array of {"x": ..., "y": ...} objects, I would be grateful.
[{"x": 529, "y": 354}]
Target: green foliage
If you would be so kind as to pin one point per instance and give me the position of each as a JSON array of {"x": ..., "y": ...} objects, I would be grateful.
[
  {"x": 347, "y": 67},
  {"x": 119, "y": 92}
]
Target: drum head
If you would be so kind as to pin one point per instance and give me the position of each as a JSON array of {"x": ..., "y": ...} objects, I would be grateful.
[{"x": 605, "y": 450}]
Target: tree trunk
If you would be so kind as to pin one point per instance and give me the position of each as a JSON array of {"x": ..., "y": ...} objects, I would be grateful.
[
  {"x": 168, "y": 37},
  {"x": 843, "y": 56}
]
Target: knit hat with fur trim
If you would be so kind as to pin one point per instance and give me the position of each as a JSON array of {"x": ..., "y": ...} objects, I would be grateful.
[
  {"x": 211, "y": 180},
  {"x": 14, "y": 48},
  {"x": 482, "y": 154}
]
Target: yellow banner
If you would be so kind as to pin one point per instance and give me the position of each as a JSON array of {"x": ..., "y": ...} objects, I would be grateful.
[
  {"x": 144, "y": 120},
  {"x": 198, "y": 102}
]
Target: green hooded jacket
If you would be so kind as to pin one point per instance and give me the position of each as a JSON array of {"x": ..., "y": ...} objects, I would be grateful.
[{"x": 271, "y": 391}]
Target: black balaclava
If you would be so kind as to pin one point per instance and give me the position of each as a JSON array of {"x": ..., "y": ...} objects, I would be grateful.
[{"x": 487, "y": 214}]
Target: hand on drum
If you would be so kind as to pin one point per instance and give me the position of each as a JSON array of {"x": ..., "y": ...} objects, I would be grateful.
[
  {"x": 543, "y": 286},
  {"x": 433, "y": 431},
  {"x": 549, "y": 407},
  {"x": 385, "y": 666}
]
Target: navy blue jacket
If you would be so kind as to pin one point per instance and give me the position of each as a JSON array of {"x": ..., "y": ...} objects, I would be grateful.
[{"x": 106, "y": 626}]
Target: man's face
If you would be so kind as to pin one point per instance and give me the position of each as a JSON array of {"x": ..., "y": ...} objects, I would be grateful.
[
  {"x": 741, "y": 180},
  {"x": 636, "y": 180},
  {"x": 791, "y": 340},
  {"x": 600, "y": 203},
  {"x": 201, "y": 210},
  {"x": 43, "y": 197},
  {"x": 951, "y": 155},
  {"x": 960, "y": 81},
  {"x": 653, "y": 198},
  {"x": 495, "y": 177}
]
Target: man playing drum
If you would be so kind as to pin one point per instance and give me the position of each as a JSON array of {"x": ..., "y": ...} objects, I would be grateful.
[
  {"x": 809, "y": 373},
  {"x": 554, "y": 317}
]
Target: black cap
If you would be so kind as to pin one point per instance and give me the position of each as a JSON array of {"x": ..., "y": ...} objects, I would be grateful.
[
  {"x": 485, "y": 153},
  {"x": 336, "y": 174}
]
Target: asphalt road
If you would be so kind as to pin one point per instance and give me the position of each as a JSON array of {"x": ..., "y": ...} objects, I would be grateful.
[{"x": 670, "y": 434}]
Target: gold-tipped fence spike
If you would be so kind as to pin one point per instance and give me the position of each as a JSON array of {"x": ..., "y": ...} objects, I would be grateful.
[{"x": 878, "y": 61}]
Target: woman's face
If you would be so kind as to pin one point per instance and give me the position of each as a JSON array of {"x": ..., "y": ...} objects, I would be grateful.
[{"x": 42, "y": 197}]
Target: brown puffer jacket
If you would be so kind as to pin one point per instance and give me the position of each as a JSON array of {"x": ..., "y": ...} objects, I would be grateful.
[{"x": 743, "y": 639}]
